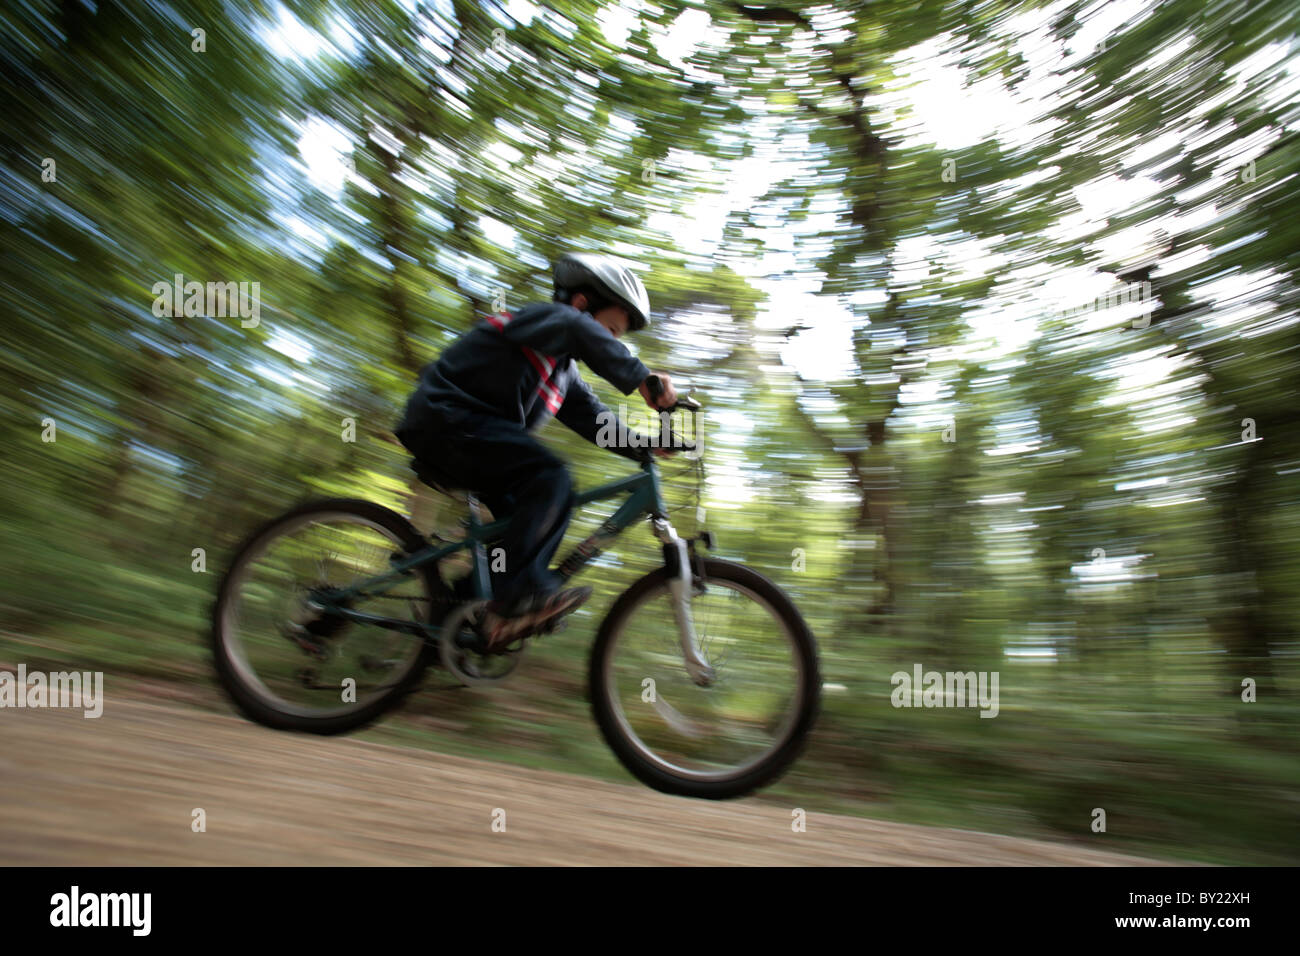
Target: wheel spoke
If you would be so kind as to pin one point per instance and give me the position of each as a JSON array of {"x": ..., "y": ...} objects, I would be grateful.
[
  {"x": 715, "y": 733},
  {"x": 267, "y": 627}
]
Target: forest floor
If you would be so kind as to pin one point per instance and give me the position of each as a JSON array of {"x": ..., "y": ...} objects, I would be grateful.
[{"x": 126, "y": 789}]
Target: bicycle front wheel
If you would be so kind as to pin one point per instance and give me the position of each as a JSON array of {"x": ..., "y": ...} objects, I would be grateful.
[{"x": 732, "y": 736}]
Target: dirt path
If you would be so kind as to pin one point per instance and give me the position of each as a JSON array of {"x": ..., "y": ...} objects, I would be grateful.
[{"x": 120, "y": 790}]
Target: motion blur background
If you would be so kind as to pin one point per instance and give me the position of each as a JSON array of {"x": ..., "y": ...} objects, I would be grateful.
[{"x": 881, "y": 239}]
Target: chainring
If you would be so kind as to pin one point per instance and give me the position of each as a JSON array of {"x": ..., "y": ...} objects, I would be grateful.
[{"x": 468, "y": 666}]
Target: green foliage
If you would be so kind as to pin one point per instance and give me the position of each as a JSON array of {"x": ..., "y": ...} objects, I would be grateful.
[{"x": 1001, "y": 480}]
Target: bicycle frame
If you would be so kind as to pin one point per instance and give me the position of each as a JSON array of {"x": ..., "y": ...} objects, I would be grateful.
[{"x": 643, "y": 497}]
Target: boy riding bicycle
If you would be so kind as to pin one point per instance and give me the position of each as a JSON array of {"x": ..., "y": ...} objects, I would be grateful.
[{"x": 469, "y": 422}]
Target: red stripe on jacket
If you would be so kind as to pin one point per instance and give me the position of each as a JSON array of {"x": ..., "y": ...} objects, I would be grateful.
[{"x": 544, "y": 364}]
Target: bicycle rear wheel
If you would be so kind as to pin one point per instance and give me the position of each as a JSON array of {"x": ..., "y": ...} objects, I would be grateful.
[
  {"x": 718, "y": 741},
  {"x": 288, "y": 665}
]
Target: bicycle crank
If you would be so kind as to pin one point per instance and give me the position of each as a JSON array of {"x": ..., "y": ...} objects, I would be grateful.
[{"x": 460, "y": 644}]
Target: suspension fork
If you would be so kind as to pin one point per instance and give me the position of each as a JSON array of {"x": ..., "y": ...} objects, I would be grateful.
[{"x": 677, "y": 558}]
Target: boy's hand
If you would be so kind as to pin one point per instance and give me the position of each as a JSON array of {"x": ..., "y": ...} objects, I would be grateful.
[{"x": 667, "y": 397}]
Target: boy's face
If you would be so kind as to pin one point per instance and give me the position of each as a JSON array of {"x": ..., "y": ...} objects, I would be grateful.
[{"x": 613, "y": 318}]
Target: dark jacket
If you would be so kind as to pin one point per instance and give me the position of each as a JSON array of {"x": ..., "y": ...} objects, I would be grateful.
[{"x": 523, "y": 368}]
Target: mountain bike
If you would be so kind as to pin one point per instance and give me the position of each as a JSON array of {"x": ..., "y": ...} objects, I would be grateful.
[{"x": 703, "y": 676}]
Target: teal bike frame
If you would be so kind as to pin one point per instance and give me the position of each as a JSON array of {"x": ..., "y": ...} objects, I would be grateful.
[{"x": 643, "y": 497}]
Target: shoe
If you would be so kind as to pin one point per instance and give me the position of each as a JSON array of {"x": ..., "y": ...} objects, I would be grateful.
[{"x": 501, "y": 626}]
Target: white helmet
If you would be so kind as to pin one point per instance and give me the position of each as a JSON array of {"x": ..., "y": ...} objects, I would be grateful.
[{"x": 608, "y": 278}]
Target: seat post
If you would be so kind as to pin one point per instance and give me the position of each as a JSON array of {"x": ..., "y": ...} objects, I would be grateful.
[{"x": 482, "y": 573}]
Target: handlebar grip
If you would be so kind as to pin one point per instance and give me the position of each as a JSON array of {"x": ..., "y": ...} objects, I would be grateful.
[{"x": 655, "y": 386}]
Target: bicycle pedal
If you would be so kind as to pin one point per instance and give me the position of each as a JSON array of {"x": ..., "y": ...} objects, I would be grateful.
[{"x": 306, "y": 641}]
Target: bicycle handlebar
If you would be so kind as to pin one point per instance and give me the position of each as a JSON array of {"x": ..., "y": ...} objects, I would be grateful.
[{"x": 655, "y": 386}]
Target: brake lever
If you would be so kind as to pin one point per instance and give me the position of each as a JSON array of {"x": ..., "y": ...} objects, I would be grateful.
[
  {"x": 687, "y": 403},
  {"x": 683, "y": 403}
]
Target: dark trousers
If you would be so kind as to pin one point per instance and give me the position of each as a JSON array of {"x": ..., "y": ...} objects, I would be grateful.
[{"x": 514, "y": 475}]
